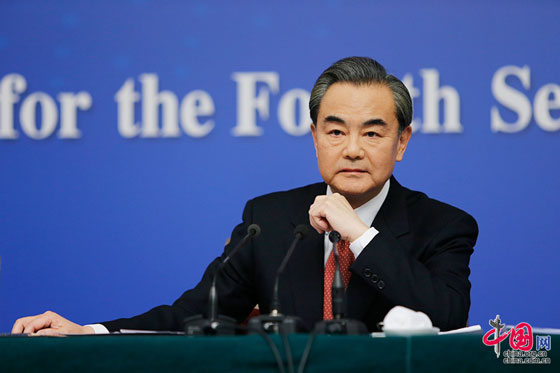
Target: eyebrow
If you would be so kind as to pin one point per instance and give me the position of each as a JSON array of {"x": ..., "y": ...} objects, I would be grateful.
[{"x": 370, "y": 122}]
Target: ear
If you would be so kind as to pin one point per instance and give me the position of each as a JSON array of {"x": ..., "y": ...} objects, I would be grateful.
[
  {"x": 314, "y": 134},
  {"x": 403, "y": 142}
]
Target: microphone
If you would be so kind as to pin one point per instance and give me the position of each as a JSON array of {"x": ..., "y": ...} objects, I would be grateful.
[
  {"x": 216, "y": 324},
  {"x": 339, "y": 325},
  {"x": 299, "y": 232},
  {"x": 252, "y": 231},
  {"x": 337, "y": 287},
  {"x": 275, "y": 321}
]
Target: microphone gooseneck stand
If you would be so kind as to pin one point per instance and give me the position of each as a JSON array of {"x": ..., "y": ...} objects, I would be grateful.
[
  {"x": 276, "y": 322},
  {"x": 339, "y": 324},
  {"x": 215, "y": 324}
]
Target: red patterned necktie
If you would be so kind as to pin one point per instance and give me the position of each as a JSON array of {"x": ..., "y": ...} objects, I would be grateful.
[{"x": 346, "y": 258}]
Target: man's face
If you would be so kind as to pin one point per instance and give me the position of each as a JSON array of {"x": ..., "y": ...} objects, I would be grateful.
[{"x": 357, "y": 140}]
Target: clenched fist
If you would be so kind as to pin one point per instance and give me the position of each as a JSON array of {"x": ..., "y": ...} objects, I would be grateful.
[{"x": 333, "y": 212}]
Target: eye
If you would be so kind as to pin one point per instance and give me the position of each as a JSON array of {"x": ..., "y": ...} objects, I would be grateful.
[
  {"x": 371, "y": 134},
  {"x": 336, "y": 132}
]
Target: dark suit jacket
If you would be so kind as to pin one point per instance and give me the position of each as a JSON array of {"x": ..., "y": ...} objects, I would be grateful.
[{"x": 419, "y": 259}]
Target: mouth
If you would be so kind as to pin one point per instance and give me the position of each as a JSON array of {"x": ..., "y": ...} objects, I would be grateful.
[{"x": 352, "y": 171}]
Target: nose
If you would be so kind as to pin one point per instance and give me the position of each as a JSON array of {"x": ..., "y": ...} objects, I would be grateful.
[{"x": 353, "y": 149}]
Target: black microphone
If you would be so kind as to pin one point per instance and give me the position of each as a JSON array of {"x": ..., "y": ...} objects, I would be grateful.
[
  {"x": 275, "y": 321},
  {"x": 299, "y": 232},
  {"x": 337, "y": 287},
  {"x": 252, "y": 231},
  {"x": 218, "y": 324},
  {"x": 339, "y": 325}
]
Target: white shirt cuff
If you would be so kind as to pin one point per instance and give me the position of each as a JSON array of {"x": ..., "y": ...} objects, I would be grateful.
[
  {"x": 98, "y": 328},
  {"x": 361, "y": 242}
]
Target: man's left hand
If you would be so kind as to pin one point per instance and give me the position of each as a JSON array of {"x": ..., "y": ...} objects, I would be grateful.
[{"x": 333, "y": 212}]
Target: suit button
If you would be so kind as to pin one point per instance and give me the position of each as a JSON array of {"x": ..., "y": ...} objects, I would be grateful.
[
  {"x": 374, "y": 278},
  {"x": 367, "y": 272},
  {"x": 381, "y": 285}
]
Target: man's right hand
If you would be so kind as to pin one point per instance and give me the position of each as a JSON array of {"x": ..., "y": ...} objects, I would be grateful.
[
  {"x": 48, "y": 323},
  {"x": 334, "y": 212}
]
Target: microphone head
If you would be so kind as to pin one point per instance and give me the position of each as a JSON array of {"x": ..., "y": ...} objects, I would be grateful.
[
  {"x": 301, "y": 230},
  {"x": 334, "y": 236},
  {"x": 254, "y": 230}
]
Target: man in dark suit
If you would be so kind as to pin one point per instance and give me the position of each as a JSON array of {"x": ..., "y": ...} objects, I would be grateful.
[{"x": 402, "y": 248}]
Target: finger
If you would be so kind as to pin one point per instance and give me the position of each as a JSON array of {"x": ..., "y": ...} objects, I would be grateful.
[
  {"x": 321, "y": 213},
  {"x": 319, "y": 230},
  {"x": 50, "y": 332},
  {"x": 320, "y": 224},
  {"x": 313, "y": 223},
  {"x": 20, "y": 323},
  {"x": 324, "y": 224},
  {"x": 340, "y": 202},
  {"x": 318, "y": 199},
  {"x": 40, "y": 322}
]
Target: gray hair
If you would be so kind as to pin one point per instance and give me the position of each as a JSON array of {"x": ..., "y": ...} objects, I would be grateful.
[{"x": 362, "y": 70}]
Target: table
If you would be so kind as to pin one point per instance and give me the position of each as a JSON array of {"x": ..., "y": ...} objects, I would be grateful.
[{"x": 161, "y": 353}]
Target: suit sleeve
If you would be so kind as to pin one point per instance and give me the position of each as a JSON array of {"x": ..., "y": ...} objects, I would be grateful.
[
  {"x": 236, "y": 296},
  {"x": 432, "y": 279}
]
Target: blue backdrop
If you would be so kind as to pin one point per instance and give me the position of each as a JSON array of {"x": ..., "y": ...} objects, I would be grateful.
[{"x": 106, "y": 211}]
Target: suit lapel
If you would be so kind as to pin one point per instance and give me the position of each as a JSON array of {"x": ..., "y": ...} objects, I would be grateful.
[{"x": 392, "y": 217}]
